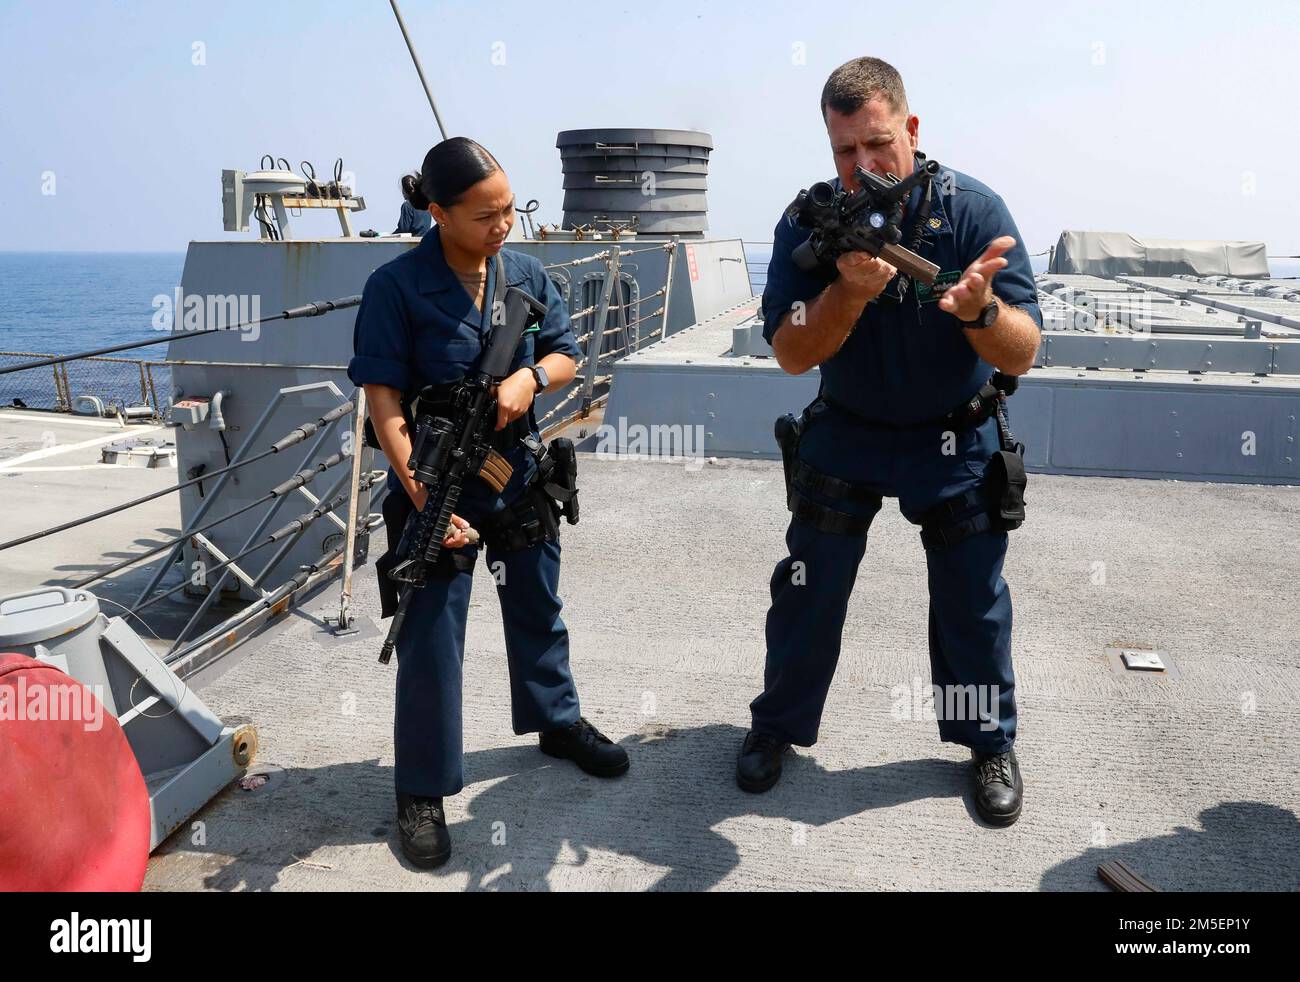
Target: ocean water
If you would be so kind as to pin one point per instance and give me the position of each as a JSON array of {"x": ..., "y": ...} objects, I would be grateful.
[{"x": 60, "y": 302}]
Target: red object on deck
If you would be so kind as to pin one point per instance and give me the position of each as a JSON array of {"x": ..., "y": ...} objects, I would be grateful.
[{"x": 74, "y": 809}]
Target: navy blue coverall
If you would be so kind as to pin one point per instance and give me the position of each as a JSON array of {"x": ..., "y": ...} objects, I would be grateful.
[
  {"x": 906, "y": 364},
  {"x": 413, "y": 220},
  {"x": 418, "y": 326}
]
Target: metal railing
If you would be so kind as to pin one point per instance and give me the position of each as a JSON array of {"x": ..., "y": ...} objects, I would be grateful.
[
  {"x": 609, "y": 329},
  {"x": 116, "y": 383},
  {"x": 345, "y": 492},
  {"x": 196, "y": 530},
  {"x": 65, "y": 390},
  {"x": 607, "y": 318},
  {"x": 757, "y": 264}
]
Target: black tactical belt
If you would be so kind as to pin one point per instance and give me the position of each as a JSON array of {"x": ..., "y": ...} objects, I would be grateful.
[
  {"x": 971, "y": 413},
  {"x": 523, "y": 523},
  {"x": 997, "y": 504}
]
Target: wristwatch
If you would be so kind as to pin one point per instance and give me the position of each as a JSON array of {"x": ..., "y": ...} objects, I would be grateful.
[
  {"x": 988, "y": 316},
  {"x": 540, "y": 377}
]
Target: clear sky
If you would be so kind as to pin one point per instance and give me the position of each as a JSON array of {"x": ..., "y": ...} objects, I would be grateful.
[{"x": 1168, "y": 119}]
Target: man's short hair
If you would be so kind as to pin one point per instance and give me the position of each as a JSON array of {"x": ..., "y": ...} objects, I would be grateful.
[{"x": 855, "y": 82}]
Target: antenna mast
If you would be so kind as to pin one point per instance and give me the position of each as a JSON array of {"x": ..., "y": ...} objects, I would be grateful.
[{"x": 418, "y": 69}]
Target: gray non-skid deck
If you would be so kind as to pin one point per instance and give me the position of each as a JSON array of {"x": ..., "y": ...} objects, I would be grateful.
[
  {"x": 1192, "y": 781},
  {"x": 50, "y": 473}
]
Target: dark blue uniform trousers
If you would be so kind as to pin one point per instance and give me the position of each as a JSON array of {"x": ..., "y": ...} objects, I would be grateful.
[
  {"x": 970, "y": 605},
  {"x": 431, "y": 653}
]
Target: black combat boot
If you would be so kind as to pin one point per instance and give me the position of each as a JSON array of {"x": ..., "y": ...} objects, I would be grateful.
[
  {"x": 425, "y": 840},
  {"x": 587, "y": 747},
  {"x": 759, "y": 765},
  {"x": 997, "y": 786}
]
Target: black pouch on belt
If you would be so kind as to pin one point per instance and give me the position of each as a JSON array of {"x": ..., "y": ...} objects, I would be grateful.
[
  {"x": 397, "y": 508},
  {"x": 788, "y": 430},
  {"x": 1007, "y": 480},
  {"x": 559, "y": 474},
  {"x": 1006, "y": 473}
]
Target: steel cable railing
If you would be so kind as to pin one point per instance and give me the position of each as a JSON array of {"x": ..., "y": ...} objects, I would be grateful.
[
  {"x": 297, "y": 435},
  {"x": 302, "y": 478}
]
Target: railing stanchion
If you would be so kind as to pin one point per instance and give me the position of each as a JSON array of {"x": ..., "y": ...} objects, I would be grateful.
[
  {"x": 668, "y": 284},
  {"x": 354, "y": 503},
  {"x": 597, "y": 338}
]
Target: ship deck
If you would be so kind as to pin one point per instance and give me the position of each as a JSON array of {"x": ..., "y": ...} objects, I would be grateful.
[
  {"x": 1190, "y": 779},
  {"x": 51, "y": 472}
]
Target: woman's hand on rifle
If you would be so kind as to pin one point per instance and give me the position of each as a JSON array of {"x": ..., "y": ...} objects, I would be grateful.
[
  {"x": 456, "y": 536},
  {"x": 514, "y": 395}
]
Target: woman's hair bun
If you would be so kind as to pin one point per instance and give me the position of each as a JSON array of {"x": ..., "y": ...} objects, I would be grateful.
[
  {"x": 412, "y": 193},
  {"x": 452, "y": 167}
]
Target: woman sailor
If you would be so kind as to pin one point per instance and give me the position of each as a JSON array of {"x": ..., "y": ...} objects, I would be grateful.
[{"x": 422, "y": 321}]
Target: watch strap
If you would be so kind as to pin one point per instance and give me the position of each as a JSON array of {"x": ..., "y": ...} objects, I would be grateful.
[{"x": 985, "y": 318}]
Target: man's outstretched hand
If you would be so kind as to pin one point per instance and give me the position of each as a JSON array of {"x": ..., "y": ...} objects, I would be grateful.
[{"x": 966, "y": 298}]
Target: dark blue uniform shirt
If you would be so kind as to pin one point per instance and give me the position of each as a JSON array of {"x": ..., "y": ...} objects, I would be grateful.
[
  {"x": 908, "y": 361},
  {"x": 413, "y": 220},
  {"x": 417, "y": 325}
]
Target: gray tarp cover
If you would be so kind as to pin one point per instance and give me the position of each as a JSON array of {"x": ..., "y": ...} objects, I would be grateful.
[{"x": 1118, "y": 253}]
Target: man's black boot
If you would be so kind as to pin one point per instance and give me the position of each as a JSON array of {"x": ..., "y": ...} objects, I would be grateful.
[
  {"x": 997, "y": 786},
  {"x": 587, "y": 747},
  {"x": 759, "y": 765},
  {"x": 425, "y": 840}
]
